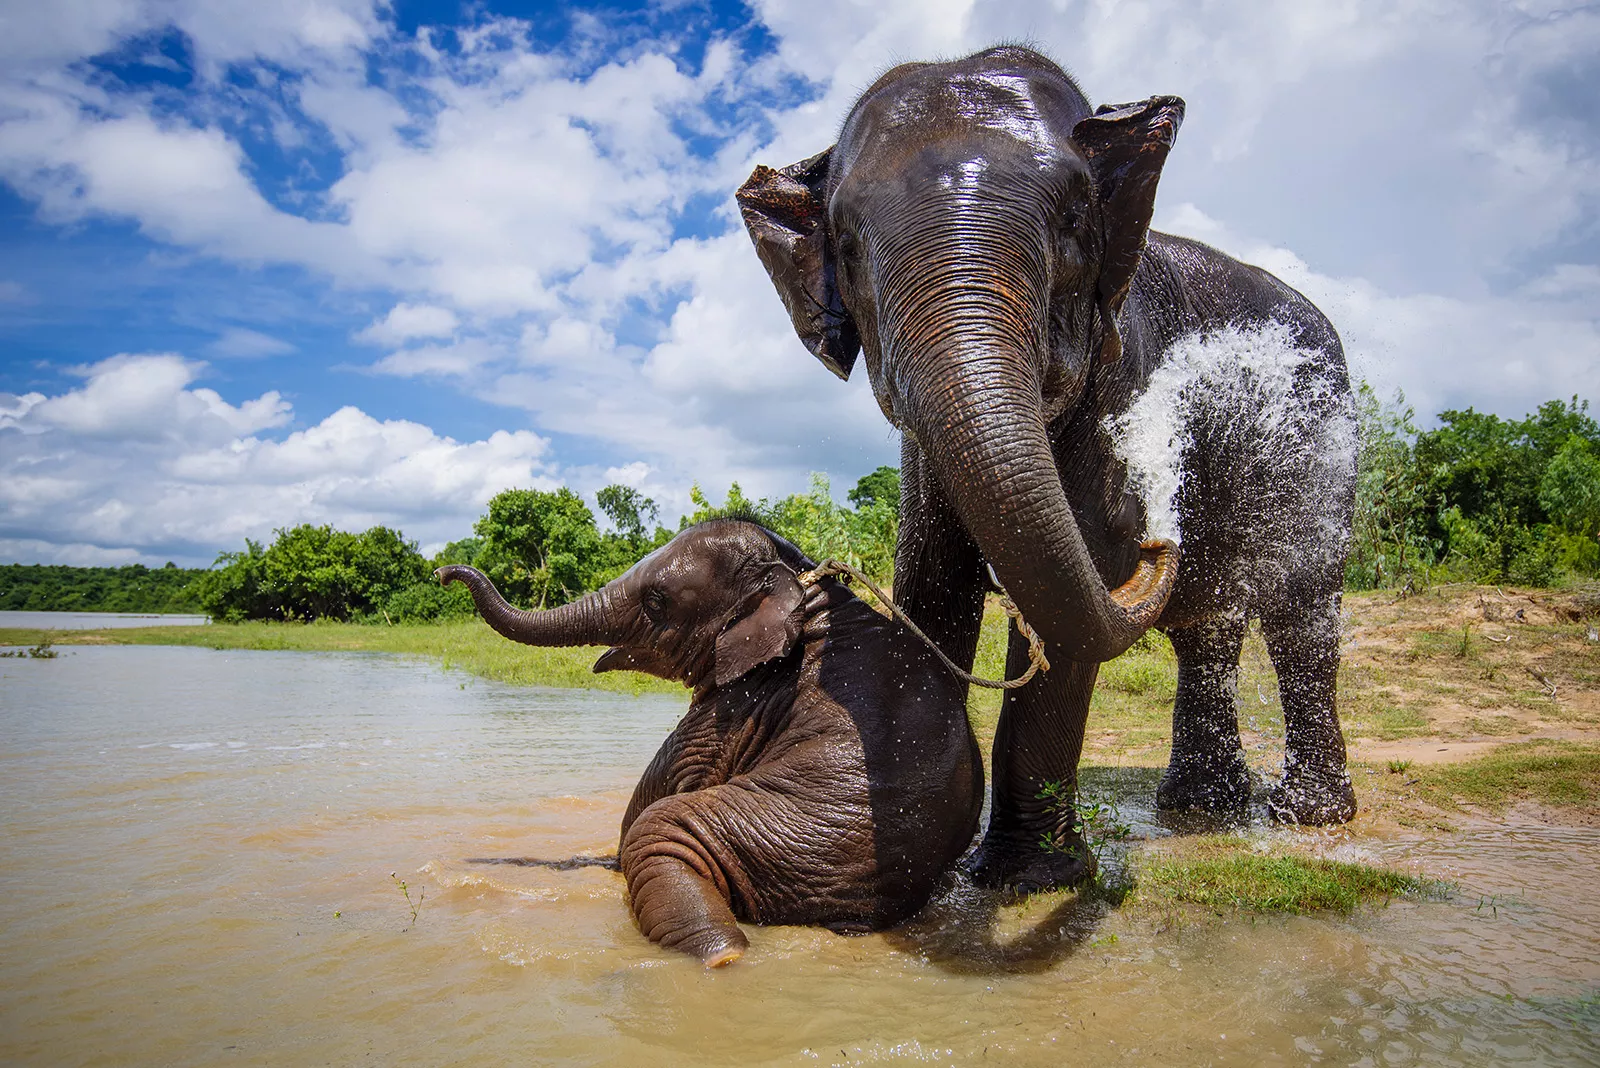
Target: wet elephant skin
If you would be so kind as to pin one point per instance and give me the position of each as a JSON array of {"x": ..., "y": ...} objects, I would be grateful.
[
  {"x": 980, "y": 234},
  {"x": 824, "y": 773}
]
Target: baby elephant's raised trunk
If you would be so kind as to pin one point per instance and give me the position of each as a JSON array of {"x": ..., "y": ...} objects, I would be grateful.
[{"x": 590, "y": 620}]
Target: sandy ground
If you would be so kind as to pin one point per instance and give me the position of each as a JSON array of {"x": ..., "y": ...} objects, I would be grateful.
[{"x": 1446, "y": 675}]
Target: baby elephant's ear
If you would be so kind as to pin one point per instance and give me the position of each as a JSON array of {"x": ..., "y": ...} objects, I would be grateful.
[{"x": 768, "y": 629}]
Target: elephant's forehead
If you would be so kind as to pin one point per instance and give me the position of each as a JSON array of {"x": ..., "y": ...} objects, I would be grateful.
[
  {"x": 689, "y": 561},
  {"x": 989, "y": 106}
]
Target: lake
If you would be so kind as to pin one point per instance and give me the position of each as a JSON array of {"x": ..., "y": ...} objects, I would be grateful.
[
  {"x": 97, "y": 620},
  {"x": 204, "y": 850}
]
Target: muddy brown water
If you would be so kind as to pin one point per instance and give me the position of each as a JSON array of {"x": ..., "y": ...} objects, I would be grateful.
[{"x": 196, "y": 870}]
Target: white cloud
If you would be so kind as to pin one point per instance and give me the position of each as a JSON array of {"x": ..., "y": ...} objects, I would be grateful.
[
  {"x": 408, "y": 321},
  {"x": 136, "y": 462},
  {"x": 182, "y": 184},
  {"x": 458, "y": 360},
  {"x": 142, "y": 398},
  {"x": 241, "y": 343}
]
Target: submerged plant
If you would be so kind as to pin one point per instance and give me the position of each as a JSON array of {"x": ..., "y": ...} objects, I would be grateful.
[{"x": 414, "y": 906}]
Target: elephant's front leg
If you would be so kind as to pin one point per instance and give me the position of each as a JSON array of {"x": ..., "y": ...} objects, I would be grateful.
[
  {"x": 678, "y": 882},
  {"x": 1033, "y": 841},
  {"x": 938, "y": 572}
]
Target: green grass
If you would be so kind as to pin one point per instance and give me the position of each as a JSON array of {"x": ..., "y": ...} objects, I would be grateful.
[
  {"x": 1374, "y": 716},
  {"x": 1553, "y": 773},
  {"x": 468, "y": 645},
  {"x": 1221, "y": 875},
  {"x": 1132, "y": 696}
]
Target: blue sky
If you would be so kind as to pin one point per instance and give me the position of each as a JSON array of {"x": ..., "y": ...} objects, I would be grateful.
[{"x": 348, "y": 262}]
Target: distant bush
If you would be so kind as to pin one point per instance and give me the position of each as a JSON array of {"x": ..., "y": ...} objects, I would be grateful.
[
  {"x": 1477, "y": 499},
  {"x": 428, "y": 602},
  {"x": 313, "y": 572}
]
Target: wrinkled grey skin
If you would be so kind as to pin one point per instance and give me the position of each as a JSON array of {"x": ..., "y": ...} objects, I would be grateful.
[
  {"x": 979, "y": 232},
  {"x": 824, "y": 774}
]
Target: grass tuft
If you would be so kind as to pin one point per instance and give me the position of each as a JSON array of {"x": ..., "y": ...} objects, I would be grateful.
[
  {"x": 1552, "y": 773},
  {"x": 1223, "y": 876}
]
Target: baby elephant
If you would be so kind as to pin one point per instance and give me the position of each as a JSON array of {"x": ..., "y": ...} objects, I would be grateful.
[{"x": 824, "y": 773}]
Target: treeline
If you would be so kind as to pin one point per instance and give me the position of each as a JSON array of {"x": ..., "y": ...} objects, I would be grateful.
[
  {"x": 1477, "y": 499},
  {"x": 134, "y": 588},
  {"x": 541, "y": 548}
]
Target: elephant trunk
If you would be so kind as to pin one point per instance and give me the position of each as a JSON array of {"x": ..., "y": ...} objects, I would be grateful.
[
  {"x": 985, "y": 433},
  {"x": 590, "y": 620}
]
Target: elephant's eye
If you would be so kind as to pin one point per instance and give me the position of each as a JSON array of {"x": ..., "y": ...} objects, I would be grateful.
[
  {"x": 847, "y": 244},
  {"x": 655, "y": 605}
]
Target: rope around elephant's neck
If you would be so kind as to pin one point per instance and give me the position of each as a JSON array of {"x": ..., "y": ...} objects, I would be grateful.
[{"x": 1037, "y": 661}]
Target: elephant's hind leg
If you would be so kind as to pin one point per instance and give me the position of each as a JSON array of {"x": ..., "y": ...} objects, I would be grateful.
[
  {"x": 677, "y": 887},
  {"x": 1303, "y": 639},
  {"x": 1207, "y": 771}
]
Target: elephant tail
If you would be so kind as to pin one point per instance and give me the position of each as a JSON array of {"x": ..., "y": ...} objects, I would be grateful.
[{"x": 569, "y": 864}]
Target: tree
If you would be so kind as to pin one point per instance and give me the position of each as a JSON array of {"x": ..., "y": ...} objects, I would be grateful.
[
  {"x": 1569, "y": 492},
  {"x": 881, "y": 487},
  {"x": 1485, "y": 477},
  {"x": 1388, "y": 536},
  {"x": 313, "y": 572},
  {"x": 462, "y": 551},
  {"x": 821, "y": 528},
  {"x": 232, "y": 590},
  {"x": 628, "y": 510},
  {"x": 541, "y": 548},
  {"x": 384, "y": 564}
]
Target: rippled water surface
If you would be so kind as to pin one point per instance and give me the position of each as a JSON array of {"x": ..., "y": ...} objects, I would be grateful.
[{"x": 196, "y": 870}]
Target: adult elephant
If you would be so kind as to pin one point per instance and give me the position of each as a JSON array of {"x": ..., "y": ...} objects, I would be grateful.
[{"x": 1065, "y": 378}]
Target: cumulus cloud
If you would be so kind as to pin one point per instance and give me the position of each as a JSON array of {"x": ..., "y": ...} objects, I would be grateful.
[
  {"x": 408, "y": 321},
  {"x": 457, "y": 360},
  {"x": 1505, "y": 352},
  {"x": 138, "y": 463}
]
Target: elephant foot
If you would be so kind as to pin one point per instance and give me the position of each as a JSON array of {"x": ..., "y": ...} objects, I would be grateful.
[
  {"x": 1210, "y": 785},
  {"x": 1312, "y": 796},
  {"x": 1030, "y": 869}
]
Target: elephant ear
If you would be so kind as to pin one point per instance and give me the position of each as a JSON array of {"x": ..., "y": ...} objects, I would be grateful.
[
  {"x": 1126, "y": 146},
  {"x": 786, "y": 214},
  {"x": 766, "y": 626}
]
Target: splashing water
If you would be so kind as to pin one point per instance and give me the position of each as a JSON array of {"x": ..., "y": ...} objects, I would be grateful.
[{"x": 1246, "y": 416}]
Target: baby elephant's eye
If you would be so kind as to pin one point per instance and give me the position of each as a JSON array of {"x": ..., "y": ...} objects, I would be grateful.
[{"x": 655, "y": 605}]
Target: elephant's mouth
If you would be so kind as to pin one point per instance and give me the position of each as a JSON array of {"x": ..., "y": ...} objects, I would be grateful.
[{"x": 629, "y": 658}]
